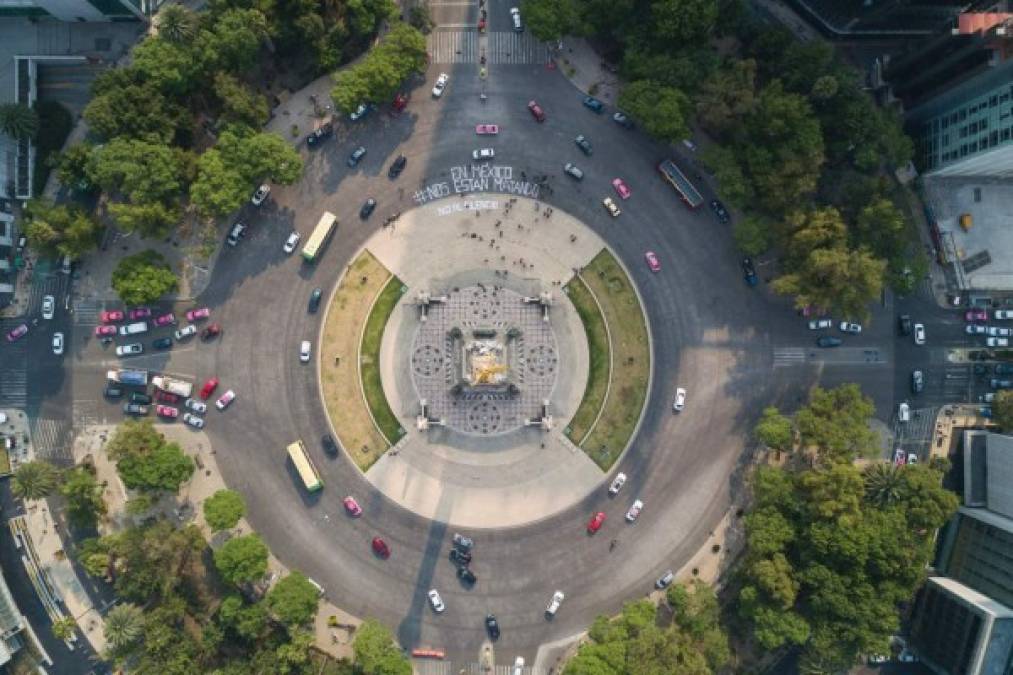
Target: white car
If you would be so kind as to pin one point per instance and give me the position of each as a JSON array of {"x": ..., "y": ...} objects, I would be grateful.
[
  {"x": 997, "y": 342},
  {"x": 483, "y": 153},
  {"x": 819, "y": 324},
  {"x": 850, "y": 327},
  {"x": 260, "y": 195},
  {"x": 680, "y": 400},
  {"x": 441, "y": 84},
  {"x": 515, "y": 16},
  {"x": 635, "y": 508},
  {"x": 435, "y": 600},
  {"x": 664, "y": 580},
  {"x": 225, "y": 400},
  {"x": 611, "y": 207},
  {"x": 129, "y": 350},
  {"x": 987, "y": 398},
  {"x": 193, "y": 420},
  {"x": 359, "y": 112},
  {"x": 554, "y": 603},
  {"x": 186, "y": 332},
  {"x": 903, "y": 413},
  {"x": 304, "y": 351},
  {"x": 58, "y": 343},
  {"x": 617, "y": 483},
  {"x": 518, "y": 668},
  {"x": 912, "y": 458},
  {"x": 975, "y": 329},
  {"x": 48, "y": 306},
  {"x": 919, "y": 333},
  {"x": 199, "y": 407},
  {"x": 996, "y": 331},
  {"x": 1003, "y": 314},
  {"x": 291, "y": 242}
]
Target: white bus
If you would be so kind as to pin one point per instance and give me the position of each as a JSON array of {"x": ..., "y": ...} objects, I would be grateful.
[
  {"x": 310, "y": 477},
  {"x": 321, "y": 233}
]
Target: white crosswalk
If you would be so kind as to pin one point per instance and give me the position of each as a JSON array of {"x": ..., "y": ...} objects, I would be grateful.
[
  {"x": 51, "y": 439},
  {"x": 789, "y": 356},
  {"x": 13, "y": 387},
  {"x": 86, "y": 312},
  {"x": 462, "y": 46},
  {"x": 430, "y": 667}
]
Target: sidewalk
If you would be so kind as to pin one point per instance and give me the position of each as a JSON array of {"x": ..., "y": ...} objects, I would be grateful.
[{"x": 582, "y": 65}]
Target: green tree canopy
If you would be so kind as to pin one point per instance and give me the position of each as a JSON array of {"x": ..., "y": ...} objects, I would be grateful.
[
  {"x": 17, "y": 120},
  {"x": 686, "y": 21},
  {"x": 836, "y": 423},
  {"x": 141, "y": 171},
  {"x": 151, "y": 560},
  {"x": 176, "y": 23},
  {"x": 124, "y": 625},
  {"x": 1002, "y": 409},
  {"x": 774, "y": 429},
  {"x": 239, "y": 102},
  {"x": 836, "y": 279},
  {"x": 223, "y": 509},
  {"x": 727, "y": 97},
  {"x": 35, "y": 480},
  {"x": 64, "y": 230},
  {"x": 378, "y": 76},
  {"x": 168, "y": 66},
  {"x": 376, "y": 652},
  {"x": 242, "y": 559},
  {"x": 551, "y": 20},
  {"x": 124, "y": 105},
  {"x": 293, "y": 600},
  {"x": 232, "y": 40},
  {"x": 84, "y": 496},
  {"x": 661, "y": 110},
  {"x": 149, "y": 220},
  {"x": 248, "y": 621},
  {"x": 145, "y": 461},
  {"x": 143, "y": 278}
]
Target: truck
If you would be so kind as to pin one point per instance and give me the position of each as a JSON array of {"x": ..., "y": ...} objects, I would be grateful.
[
  {"x": 131, "y": 377},
  {"x": 677, "y": 179},
  {"x": 172, "y": 385}
]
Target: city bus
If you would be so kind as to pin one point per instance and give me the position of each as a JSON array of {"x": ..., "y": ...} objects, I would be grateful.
[
  {"x": 321, "y": 233},
  {"x": 304, "y": 465},
  {"x": 687, "y": 191}
]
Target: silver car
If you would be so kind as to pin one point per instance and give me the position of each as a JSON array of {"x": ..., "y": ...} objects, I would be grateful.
[
  {"x": 130, "y": 350},
  {"x": 571, "y": 170},
  {"x": 483, "y": 153}
]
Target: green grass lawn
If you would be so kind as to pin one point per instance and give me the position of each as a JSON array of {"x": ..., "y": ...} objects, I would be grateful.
[
  {"x": 369, "y": 360},
  {"x": 598, "y": 353}
]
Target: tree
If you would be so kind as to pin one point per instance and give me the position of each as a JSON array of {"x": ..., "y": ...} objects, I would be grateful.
[
  {"x": 293, "y": 600},
  {"x": 1002, "y": 409},
  {"x": 148, "y": 220},
  {"x": 836, "y": 279},
  {"x": 151, "y": 560},
  {"x": 168, "y": 66},
  {"x": 124, "y": 625},
  {"x": 145, "y": 461},
  {"x": 223, "y": 509},
  {"x": 72, "y": 167},
  {"x": 420, "y": 17},
  {"x": 18, "y": 121},
  {"x": 752, "y": 234},
  {"x": 882, "y": 227},
  {"x": 124, "y": 105},
  {"x": 232, "y": 41},
  {"x": 248, "y": 621},
  {"x": 882, "y": 484},
  {"x": 35, "y": 480},
  {"x": 724, "y": 164},
  {"x": 728, "y": 97},
  {"x": 836, "y": 423},
  {"x": 686, "y": 21},
  {"x": 176, "y": 23},
  {"x": 64, "y": 628},
  {"x": 242, "y": 559},
  {"x": 550, "y": 20},
  {"x": 661, "y": 110},
  {"x": 384, "y": 68},
  {"x": 84, "y": 496},
  {"x": 141, "y": 171},
  {"x": 143, "y": 278},
  {"x": 376, "y": 652},
  {"x": 239, "y": 102},
  {"x": 774, "y": 430},
  {"x": 64, "y": 230}
]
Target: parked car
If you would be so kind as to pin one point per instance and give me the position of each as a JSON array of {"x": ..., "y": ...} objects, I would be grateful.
[
  {"x": 103, "y": 331},
  {"x": 130, "y": 350},
  {"x": 852, "y": 328},
  {"x": 48, "y": 307},
  {"x": 330, "y": 447},
  {"x": 998, "y": 331},
  {"x": 652, "y": 261},
  {"x": 996, "y": 383},
  {"x": 597, "y": 520},
  {"x": 211, "y": 331},
  {"x": 435, "y": 600},
  {"x": 997, "y": 342},
  {"x": 135, "y": 409},
  {"x": 113, "y": 391},
  {"x": 976, "y": 315},
  {"x": 111, "y": 316},
  {"x": 167, "y": 411},
  {"x": 1003, "y": 369},
  {"x": 237, "y": 232},
  {"x": 719, "y": 210},
  {"x": 359, "y": 112},
  {"x": 483, "y": 153},
  {"x": 135, "y": 328},
  {"x": 380, "y": 548},
  {"x": 617, "y": 484},
  {"x": 208, "y": 388},
  {"x": 749, "y": 272},
  {"x": 166, "y": 396},
  {"x": 198, "y": 406},
  {"x": 554, "y": 602},
  {"x": 195, "y": 315},
  {"x": 58, "y": 343},
  {"x": 917, "y": 382},
  {"x": 680, "y": 400},
  {"x": 899, "y": 457},
  {"x": 665, "y": 580},
  {"x": 572, "y": 171},
  {"x": 352, "y": 506},
  {"x": 622, "y": 120},
  {"x": 459, "y": 557},
  {"x": 260, "y": 195},
  {"x": 486, "y": 129},
  {"x": 291, "y": 242},
  {"x": 1003, "y": 314},
  {"x": 165, "y": 320},
  {"x": 919, "y": 334},
  {"x": 819, "y": 324},
  {"x": 634, "y": 511},
  {"x": 193, "y": 420},
  {"x": 611, "y": 207},
  {"x": 185, "y": 332},
  {"x": 536, "y": 111},
  {"x": 904, "y": 324},
  {"x": 441, "y": 85},
  {"x": 912, "y": 458},
  {"x": 827, "y": 341},
  {"x": 621, "y": 188},
  {"x": 584, "y": 144},
  {"x": 593, "y": 104},
  {"x": 140, "y": 398},
  {"x": 462, "y": 542},
  {"x": 225, "y": 400},
  {"x": 975, "y": 329},
  {"x": 367, "y": 208},
  {"x": 138, "y": 313},
  {"x": 397, "y": 166},
  {"x": 466, "y": 576},
  {"x": 356, "y": 156},
  {"x": 320, "y": 134},
  {"x": 492, "y": 626}
]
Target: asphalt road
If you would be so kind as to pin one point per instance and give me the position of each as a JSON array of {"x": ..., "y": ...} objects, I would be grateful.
[{"x": 734, "y": 348}]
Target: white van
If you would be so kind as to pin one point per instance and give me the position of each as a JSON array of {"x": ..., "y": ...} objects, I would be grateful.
[
  {"x": 65, "y": 268},
  {"x": 320, "y": 589},
  {"x": 134, "y": 328}
]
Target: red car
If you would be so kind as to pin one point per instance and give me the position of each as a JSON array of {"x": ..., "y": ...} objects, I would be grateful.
[
  {"x": 101, "y": 331},
  {"x": 536, "y": 111},
  {"x": 400, "y": 102},
  {"x": 196, "y": 314},
  {"x": 166, "y": 396},
  {"x": 652, "y": 261},
  {"x": 486, "y": 129},
  {"x": 352, "y": 506},
  {"x": 209, "y": 388},
  {"x": 139, "y": 313},
  {"x": 211, "y": 331},
  {"x": 899, "y": 458},
  {"x": 622, "y": 188},
  {"x": 976, "y": 315},
  {"x": 597, "y": 520},
  {"x": 166, "y": 320},
  {"x": 111, "y": 316},
  {"x": 380, "y": 548},
  {"x": 166, "y": 411},
  {"x": 17, "y": 333}
]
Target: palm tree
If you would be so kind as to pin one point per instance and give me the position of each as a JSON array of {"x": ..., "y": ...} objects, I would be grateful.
[
  {"x": 18, "y": 120},
  {"x": 176, "y": 24},
  {"x": 35, "y": 480},
  {"x": 124, "y": 624},
  {"x": 882, "y": 484},
  {"x": 64, "y": 628}
]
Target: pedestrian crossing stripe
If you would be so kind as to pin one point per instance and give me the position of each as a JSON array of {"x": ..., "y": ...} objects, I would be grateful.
[
  {"x": 463, "y": 46},
  {"x": 50, "y": 440},
  {"x": 789, "y": 356}
]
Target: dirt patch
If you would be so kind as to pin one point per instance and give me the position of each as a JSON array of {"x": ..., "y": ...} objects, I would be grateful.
[{"x": 346, "y": 315}]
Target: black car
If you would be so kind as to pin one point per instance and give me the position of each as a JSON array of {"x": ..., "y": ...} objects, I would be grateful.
[
  {"x": 112, "y": 391},
  {"x": 321, "y": 134},
  {"x": 315, "y": 300},
  {"x": 330, "y": 447},
  {"x": 917, "y": 382},
  {"x": 466, "y": 575},
  {"x": 583, "y": 144},
  {"x": 460, "y": 557},
  {"x": 397, "y": 167},
  {"x": 492, "y": 626},
  {"x": 827, "y": 341},
  {"x": 591, "y": 103},
  {"x": 904, "y": 324},
  {"x": 162, "y": 343},
  {"x": 135, "y": 409},
  {"x": 142, "y": 399},
  {"x": 719, "y": 210},
  {"x": 356, "y": 156},
  {"x": 1000, "y": 384},
  {"x": 1003, "y": 369},
  {"x": 462, "y": 542},
  {"x": 367, "y": 208},
  {"x": 749, "y": 272}
]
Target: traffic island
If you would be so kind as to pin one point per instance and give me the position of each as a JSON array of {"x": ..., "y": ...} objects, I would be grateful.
[{"x": 608, "y": 304}]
